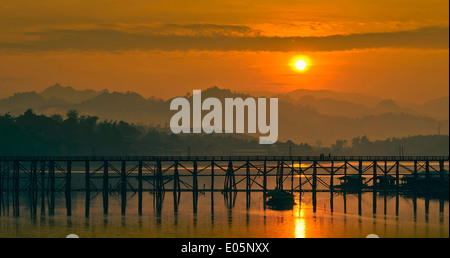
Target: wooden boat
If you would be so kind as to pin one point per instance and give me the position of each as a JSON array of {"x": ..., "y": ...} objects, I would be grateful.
[
  {"x": 280, "y": 200},
  {"x": 350, "y": 183}
]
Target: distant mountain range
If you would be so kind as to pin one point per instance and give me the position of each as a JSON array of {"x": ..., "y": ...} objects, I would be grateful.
[
  {"x": 357, "y": 105},
  {"x": 314, "y": 117}
]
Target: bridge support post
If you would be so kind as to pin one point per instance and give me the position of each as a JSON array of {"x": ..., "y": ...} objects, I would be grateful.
[
  {"x": 195, "y": 177},
  {"x": 123, "y": 186},
  {"x": 265, "y": 180},
  {"x": 248, "y": 188},
  {"x": 105, "y": 187},
  {"x": 331, "y": 185},
  {"x": 159, "y": 178},
  {"x": 300, "y": 172},
  {"x": 314, "y": 186},
  {"x": 43, "y": 188},
  {"x": 87, "y": 188},
  {"x": 374, "y": 197},
  {"x": 360, "y": 172},
  {"x": 68, "y": 187},
  {"x": 397, "y": 186},
  {"x": 16, "y": 184},
  {"x": 51, "y": 173}
]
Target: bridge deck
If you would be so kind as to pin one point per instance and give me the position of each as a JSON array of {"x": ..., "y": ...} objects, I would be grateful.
[{"x": 224, "y": 158}]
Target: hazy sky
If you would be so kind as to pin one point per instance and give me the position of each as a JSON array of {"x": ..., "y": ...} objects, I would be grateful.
[{"x": 393, "y": 49}]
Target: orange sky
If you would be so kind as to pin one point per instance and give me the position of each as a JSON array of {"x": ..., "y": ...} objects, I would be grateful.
[{"x": 392, "y": 49}]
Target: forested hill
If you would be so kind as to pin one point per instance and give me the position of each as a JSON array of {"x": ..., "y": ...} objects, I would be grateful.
[
  {"x": 72, "y": 134},
  {"x": 310, "y": 118}
]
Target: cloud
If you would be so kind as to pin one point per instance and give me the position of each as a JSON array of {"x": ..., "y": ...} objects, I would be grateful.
[{"x": 219, "y": 37}]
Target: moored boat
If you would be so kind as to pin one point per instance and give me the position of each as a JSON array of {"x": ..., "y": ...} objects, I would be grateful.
[{"x": 280, "y": 200}]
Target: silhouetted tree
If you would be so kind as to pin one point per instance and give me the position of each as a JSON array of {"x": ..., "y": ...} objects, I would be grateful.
[{"x": 31, "y": 134}]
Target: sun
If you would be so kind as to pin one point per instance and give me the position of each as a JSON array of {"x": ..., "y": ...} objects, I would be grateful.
[{"x": 300, "y": 63}]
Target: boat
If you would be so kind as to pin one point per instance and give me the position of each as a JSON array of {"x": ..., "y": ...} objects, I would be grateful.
[
  {"x": 433, "y": 184},
  {"x": 351, "y": 183},
  {"x": 280, "y": 200}
]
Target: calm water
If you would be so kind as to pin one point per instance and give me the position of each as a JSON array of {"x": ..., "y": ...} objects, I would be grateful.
[{"x": 226, "y": 218}]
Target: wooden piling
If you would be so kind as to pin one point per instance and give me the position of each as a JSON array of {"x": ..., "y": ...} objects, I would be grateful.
[
  {"x": 247, "y": 174},
  {"x": 195, "y": 177},
  {"x": 265, "y": 179},
  {"x": 314, "y": 176},
  {"x": 8, "y": 179},
  {"x": 374, "y": 194},
  {"x": 397, "y": 175},
  {"x": 345, "y": 191},
  {"x": 280, "y": 166},
  {"x": 87, "y": 188},
  {"x": 1, "y": 180},
  {"x": 158, "y": 177},
  {"x": 233, "y": 178},
  {"x": 314, "y": 186},
  {"x": 374, "y": 174},
  {"x": 105, "y": 187},
  {"x": 33, "y": 189},
  {"x": 42, "y": 188},
  {"x": 212, "y": 176},
  {"x": 16, "y": 178},
  {"x": 33, "y": 182},
  {"x": 176, "y": 178},
  {"x": 194, "y": 201},
  {"x": 51, "y": 174},
  {"x": 292, "y": 177},
  {"x": 359, "y": 203},
  {"x": 248, "y": 188},
  {"x": 140, "y": 164},
  {"x": 345, "y": 168},
  {"x": 176, "y": 187},
  {"x": 300, "y": 172},
  {"x": 68, "y": 188},
  {"x": 123, "y": 187},
  {"x": 415, "y": 177},
  {"x": 360, "y": 172},
  {"x": 195, "y": 187},
  {"x": 331, "y": 185}
]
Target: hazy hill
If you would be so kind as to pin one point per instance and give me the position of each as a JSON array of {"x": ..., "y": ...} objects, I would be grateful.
[
  {"x": 128, "y": 106},
  {"x": 69, "y": 94},
  {"x": 335, "y": 107},
  {"x": 438, "y": 108},
  {"x": 22, "y": 101},
  {"x": 301, "y": 124},
  {"x": 313, "y": 118},
  {"x": 357, "y": 98},
  {"x": 356, "y": 105}
]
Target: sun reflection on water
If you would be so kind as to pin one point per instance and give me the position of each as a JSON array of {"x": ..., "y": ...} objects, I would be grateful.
[{"x": 300, "y": 222}]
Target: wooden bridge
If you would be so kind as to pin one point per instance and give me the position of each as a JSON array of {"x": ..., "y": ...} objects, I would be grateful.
[{"x": 227, "y": 174}]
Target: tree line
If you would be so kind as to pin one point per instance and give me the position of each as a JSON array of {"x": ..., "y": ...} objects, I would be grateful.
[{"x": 75, "y": 134}]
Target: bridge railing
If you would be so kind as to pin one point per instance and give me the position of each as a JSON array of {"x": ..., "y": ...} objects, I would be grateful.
[{"x": 224, "y": 158}]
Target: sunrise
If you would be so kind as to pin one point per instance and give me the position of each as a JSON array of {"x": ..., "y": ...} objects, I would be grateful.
[{"x": 224, "y": 119}]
